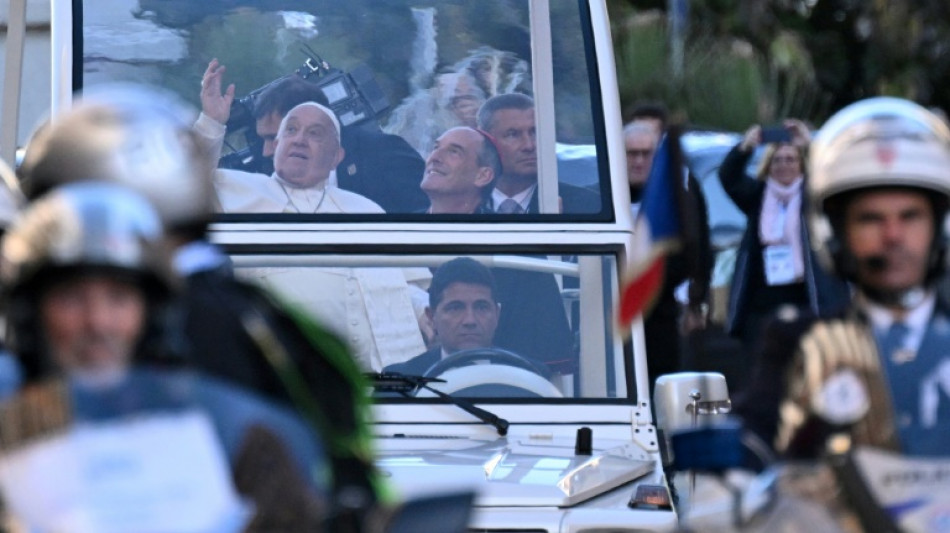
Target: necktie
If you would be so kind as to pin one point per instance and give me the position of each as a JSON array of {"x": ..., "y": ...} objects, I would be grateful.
[
  {"x": 509, "y": 207},
  {"x": 894, "y": 344}
]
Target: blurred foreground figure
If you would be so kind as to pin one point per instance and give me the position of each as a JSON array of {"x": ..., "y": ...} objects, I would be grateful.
[
  {"x": 11, "y": 201},
  {"x": 109, "y": 433},
  {"x": 879, "y": 188},
  {"x": 233, "y": 330}
]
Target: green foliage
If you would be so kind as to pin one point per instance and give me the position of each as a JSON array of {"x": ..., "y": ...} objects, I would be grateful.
[
  {"x": 718, "y": 88},
  {"x": 842, "y": 50},
  {"x": 243, "y": 41},
  {"x": 725, "y": 83}
]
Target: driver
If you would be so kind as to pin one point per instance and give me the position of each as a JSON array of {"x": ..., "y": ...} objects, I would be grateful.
[
  {"x": 879, "y": 191},
  {"x": 463, "y": 309}
]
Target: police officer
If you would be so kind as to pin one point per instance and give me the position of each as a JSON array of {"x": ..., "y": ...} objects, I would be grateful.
[
  {"x": 142, "y": 138},
  {"x": 90, "y": 299},
  {"x": 879, "y": 193},
  {"x": 11, "y": 201}
]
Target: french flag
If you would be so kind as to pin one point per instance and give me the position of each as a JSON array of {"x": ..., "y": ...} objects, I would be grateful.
[{"x": 658, "y": 229}]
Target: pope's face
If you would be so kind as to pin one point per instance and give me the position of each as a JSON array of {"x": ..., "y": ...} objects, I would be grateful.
[{"x": 308, "y": 147}]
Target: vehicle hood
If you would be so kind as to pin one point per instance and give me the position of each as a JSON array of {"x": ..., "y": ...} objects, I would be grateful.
[{"x": 509, "y": 471}]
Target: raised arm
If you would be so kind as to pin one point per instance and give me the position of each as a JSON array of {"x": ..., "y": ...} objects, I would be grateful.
[
  {"x": 215, "y": 108},
  {"x": 742, "y": 190}
]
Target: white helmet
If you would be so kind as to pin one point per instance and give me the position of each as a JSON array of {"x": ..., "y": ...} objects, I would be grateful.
[
  {"x": 877, "y": 142},
  {"x": 133, "y": 135}
]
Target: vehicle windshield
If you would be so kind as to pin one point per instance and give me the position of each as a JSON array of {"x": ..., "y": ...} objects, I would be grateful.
[
  {"x": 397, "y": 75},
  {"x": 496, "y": 325}
]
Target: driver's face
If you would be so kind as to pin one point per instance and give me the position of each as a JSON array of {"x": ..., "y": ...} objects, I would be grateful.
[{"x": 466, "y": 317}]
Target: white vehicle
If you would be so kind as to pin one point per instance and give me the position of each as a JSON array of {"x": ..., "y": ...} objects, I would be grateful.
[{"x": 553, "y": 442}]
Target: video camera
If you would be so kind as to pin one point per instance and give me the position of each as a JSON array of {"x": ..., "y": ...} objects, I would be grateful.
[{"x": 354, "y": 96}]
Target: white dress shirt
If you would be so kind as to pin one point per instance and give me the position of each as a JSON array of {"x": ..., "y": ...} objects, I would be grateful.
[{"x": 523, "y": 198}]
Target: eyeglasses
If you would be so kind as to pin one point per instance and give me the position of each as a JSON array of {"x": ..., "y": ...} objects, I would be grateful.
[
  {"x": 785, "y": 159},
  {"x": 639, "y": 153}
]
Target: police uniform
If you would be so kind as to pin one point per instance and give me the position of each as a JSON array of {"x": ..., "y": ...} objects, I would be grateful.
[{"x": 879, "y": 372}]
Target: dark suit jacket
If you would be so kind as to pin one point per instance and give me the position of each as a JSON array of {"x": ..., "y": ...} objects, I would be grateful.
[
  {"x": 383, "y": 168},
  {"x": 574, "y": 200},
  {"x": 694, "y": 263},
  {"x": 533, "y": 322},
  {"x": 418, "y": 365}
]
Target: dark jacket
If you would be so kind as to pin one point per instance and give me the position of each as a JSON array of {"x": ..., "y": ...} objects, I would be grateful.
[
  {"x": 382, "y": 167},
  {"x": 692, "y": 263},
  {"x": 483, "y": 208},
  {"x": 574, "y": 200},
  {"x": 418, "y": 365},
  {"x": 219, "y": 345},
  {"x": 826, "y": 293},
  {"x": 759, "y": 406},
  {"x": 532, "y": 321},
  {"x": 238, "y": 332}
]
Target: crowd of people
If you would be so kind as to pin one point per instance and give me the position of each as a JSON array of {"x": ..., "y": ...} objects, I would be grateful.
[{"x": 117, "y": 304}]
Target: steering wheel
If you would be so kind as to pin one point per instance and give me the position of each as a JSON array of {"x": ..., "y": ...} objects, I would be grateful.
[{"x": 491, "y": 354}]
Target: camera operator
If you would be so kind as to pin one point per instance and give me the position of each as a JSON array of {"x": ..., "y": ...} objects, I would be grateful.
[{"x": 379, "y": 166}]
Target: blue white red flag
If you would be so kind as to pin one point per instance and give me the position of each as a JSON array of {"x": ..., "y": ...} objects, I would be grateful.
[{"x": 657, "y": 230}]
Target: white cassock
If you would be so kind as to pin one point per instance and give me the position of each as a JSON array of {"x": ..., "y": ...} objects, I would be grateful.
[{"x": 375, "y": 310}]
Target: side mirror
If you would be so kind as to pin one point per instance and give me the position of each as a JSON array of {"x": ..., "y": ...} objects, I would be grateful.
[
  {"x": 681, "y": 399},
  {"x": 687, "y": 401}
]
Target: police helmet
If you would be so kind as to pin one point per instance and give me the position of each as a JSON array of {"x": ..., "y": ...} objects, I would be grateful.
[
  {"x": 137, "y": 136},
  {"x": 876, "y": 143}
]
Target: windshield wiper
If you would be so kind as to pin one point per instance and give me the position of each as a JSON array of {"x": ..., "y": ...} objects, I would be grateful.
[{"x": 406, "y": 384}]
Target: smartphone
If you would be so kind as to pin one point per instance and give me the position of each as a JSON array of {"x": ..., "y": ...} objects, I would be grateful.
[{"x": 776, "y": 134}]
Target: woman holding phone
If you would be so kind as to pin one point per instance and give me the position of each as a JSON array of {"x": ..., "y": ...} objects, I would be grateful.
[{"x": 774, "y": 264}]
